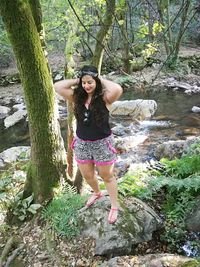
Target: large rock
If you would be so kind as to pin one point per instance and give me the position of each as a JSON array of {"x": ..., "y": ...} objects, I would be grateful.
[
  {"x": 174, "y": 149},
  {"x": 138, "y": 109},
  {"x": 13, "y": 154},
  {"x": 14, "y": 118},
  {"x": 136, "y": 223},
  {"x": 193, "y": 219}
]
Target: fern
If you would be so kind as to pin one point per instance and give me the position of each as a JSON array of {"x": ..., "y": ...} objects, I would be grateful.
[{"x": 62, "y": 212}]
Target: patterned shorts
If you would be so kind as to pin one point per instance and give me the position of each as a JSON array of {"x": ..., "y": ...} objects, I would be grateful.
[{"x": 99, "y": 152}]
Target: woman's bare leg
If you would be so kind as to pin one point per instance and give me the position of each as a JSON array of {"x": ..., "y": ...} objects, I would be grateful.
[
  {"x": 88, "y": 172},
  {"x": 106, "y": 173}
]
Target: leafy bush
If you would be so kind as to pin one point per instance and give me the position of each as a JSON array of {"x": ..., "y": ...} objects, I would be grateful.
[
  {"x": 62, "y": 212},
  {"x": 178, "y": 185}
]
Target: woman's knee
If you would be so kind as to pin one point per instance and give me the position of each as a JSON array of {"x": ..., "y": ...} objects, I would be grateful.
[
  {"x": 107, "y": 177},
  {"x": 89, "y": 177}
]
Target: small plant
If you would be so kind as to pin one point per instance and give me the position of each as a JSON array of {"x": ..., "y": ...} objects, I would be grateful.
[
  {"x": 62, "y": 212},
  {"x": 23, "y": 208},
  {"x": 133, "y": 185}
]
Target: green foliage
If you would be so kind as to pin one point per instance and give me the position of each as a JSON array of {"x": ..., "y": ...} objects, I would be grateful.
[
  {"x": 23, "y": 208},
  {"x": 150, "y": 50},
  {"x": 5, "y": 46},
  {"x": 157, "y": 28},
  {"x": 179, "y": 186},
  {"x": 11, "y": 182},
  {"x": 182, "y": 168},
  {"x": 62, "y": 212},
  {"x": 143, "y": 30},
  {"x": 133, "y": 185}
]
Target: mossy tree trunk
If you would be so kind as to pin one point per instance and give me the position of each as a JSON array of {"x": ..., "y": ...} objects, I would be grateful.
[
  {"x": 47, "y": 147},
  {"x": 102, "y": 34},
  {"x": 127, "y": 56},
  {"x": 37, "y": 15}
]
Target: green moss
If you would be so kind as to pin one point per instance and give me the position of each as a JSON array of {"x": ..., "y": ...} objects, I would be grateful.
[
  {"x": 192, "y": 263},
  {"x": 125, "y": 227}
]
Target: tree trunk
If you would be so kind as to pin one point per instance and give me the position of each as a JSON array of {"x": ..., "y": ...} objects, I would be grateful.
[
  {"x": 186, "y": 5},
  {"x": 102, "y": 34},
  {"x": 161, "y": 8},
  {"x": 37, "y": 15},
  {"x": 47, "y": 157},
  {"x": 126, "y": 51}
]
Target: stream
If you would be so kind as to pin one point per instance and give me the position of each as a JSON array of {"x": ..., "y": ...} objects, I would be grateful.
[{"x": 173, "y": 119}]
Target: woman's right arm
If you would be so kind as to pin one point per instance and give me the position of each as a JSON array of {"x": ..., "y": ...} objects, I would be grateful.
[{"x": 65, "y": 88}]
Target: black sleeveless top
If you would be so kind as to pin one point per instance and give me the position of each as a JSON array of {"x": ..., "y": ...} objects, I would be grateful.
[{"x": 87, "y": 129}]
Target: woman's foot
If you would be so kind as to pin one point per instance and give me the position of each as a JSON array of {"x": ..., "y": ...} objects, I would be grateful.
[
  {"x": 94, "y": 198},
  {"x": 112, "y": 217}
]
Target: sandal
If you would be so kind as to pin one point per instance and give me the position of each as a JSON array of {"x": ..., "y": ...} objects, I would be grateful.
[
  {"x": 93, "y": 198},
  {"x": 112, "y": 217}
]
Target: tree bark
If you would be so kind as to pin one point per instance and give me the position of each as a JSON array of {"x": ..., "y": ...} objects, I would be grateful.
[
  {"x": 47, "y": 149},
  {"x": 102, "y": 34},
  {"x": 186, "y": 5},
  {"x": 126, "y": 51}
]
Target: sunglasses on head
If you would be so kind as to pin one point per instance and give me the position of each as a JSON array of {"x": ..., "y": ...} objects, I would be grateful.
[{"x": 85, "y": 72}]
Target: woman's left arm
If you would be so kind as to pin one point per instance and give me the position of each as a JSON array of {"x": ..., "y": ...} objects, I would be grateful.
[{"x": 112, "y": 90}]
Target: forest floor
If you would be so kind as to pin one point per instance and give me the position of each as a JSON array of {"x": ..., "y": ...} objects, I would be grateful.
[{"x": 42, "y": 246}]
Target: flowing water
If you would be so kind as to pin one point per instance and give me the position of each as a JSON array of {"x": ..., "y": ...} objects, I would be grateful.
[{"x": 173, "y": 119}]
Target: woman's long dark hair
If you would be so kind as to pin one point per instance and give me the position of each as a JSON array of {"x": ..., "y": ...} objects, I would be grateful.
[{"x": 80, "y": 96}]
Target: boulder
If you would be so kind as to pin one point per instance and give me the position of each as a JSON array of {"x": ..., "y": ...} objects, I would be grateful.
[
  {"x": 173, "y": 149},
  {"x": 138, "y": 109},
  {"x": 193, "y": 219},
  {"x": 13, "y": 154},
  {"x": 136, "y": 224},
  {"x": 14, "y": 118}
]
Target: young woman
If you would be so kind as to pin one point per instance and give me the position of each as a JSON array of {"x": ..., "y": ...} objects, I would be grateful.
[{"x": 93, "y": 145}]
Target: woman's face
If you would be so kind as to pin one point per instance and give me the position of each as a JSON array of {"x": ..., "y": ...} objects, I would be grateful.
[{"x": 88, "y": 84}]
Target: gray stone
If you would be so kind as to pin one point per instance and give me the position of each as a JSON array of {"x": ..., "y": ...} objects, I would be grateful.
[
  {"x": 193, "y": 219},
  {"x": 138, "y": 109},
  {"x": 4, "y": 112},
  {"x": 172, "y": 149},
  {"x": 14, "y": 118},
  {"x": 135, "y": 224},
  {"x": 195, "y": 109},
  {"x": 13, "y": 154}
]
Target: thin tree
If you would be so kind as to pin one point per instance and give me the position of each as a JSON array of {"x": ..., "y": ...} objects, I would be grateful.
[{"x": 102, "y": 34}]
